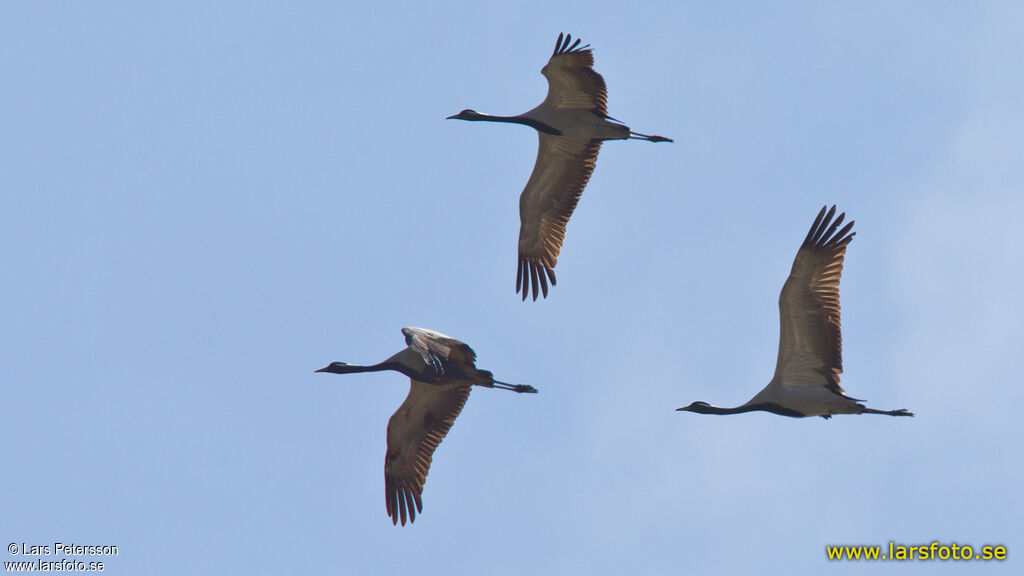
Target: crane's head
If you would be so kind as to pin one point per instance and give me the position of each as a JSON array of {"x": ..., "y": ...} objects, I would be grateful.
[
  {"x": 466, "y": 114},
  {"x": 698, "y": 407},
  {"x": 337, "y": 368}
]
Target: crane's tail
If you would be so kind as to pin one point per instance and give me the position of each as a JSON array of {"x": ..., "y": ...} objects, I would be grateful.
[
  {"x": 514, "y": 387},
  {"x": 649, "y": 138}
]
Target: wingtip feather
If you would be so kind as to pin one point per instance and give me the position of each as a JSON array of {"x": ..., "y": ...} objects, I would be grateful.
[
  {"x": 535, "y": 277},
  {"x": 565, "y": 45},
  {"x": 823, "y": 230},
  {"x": 558, "y": 45}
]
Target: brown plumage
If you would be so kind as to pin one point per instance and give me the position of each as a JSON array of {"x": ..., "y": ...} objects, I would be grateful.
[
  {"x": 442, "y": 370},
  {"x": 547, "y": 203},
  {"x": 571, "y": 123},
  {"x": 414, "y": 432},
  {"x": 572, "y": 81}
]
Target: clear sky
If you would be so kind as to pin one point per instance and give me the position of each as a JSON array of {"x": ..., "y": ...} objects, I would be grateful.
[{"x": 203, "y": 203}]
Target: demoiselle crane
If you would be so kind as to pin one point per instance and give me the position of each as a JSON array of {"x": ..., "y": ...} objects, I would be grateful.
[
  {"x": 806, "y": 381},
  {"x": 571, "y": 123},
  {"x": 442, "y": 370}
]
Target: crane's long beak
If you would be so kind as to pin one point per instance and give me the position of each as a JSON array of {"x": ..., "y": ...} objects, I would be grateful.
[{"x": 452, "y": 116}]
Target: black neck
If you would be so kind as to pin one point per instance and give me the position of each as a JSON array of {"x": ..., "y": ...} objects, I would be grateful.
[
  {"x": 764, "y": 406},
  {"x": 342, "y": 368},
  {"x": 535, "y": 124}
]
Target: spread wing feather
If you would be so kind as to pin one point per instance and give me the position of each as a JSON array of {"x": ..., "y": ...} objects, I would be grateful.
[
  {"x": 810, "y": 340},
  {"x": 572, "y": 82},
  {"x": 414, "y": 432}
]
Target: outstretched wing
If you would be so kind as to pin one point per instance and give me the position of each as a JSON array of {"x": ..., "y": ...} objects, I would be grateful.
[
  {"x": 438, "y": 350},
  {"x": 414, "y": 432},
  {"x": 563, "y": 168},
  {"x": 572, "y": 82},
  {"x": 810, "y": 340}
]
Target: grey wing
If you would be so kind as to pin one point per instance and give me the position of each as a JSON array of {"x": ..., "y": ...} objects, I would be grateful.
[
  {"x": 562, "y": 170},
  {"x": 414, "y": 432},
  {"x": 810, "y": 339}
]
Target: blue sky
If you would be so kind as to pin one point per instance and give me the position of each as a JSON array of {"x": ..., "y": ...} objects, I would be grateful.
[{"x": 204, "y": 204}]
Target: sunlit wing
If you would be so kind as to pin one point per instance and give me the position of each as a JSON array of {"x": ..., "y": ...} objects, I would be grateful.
[
  {"x": 572, "y": 82},
  {"x": 563, "y": 168},
  {"x": 414, "y": 432},
  {"x": 810, "y": 340},
  {"x": 437, "y": 349}
]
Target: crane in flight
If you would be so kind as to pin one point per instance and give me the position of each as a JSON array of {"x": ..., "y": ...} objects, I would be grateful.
[
  {"x": 806, "y": 381},
  {"x": 442, "y": 371},
  {"x": 571, "y": 123}
]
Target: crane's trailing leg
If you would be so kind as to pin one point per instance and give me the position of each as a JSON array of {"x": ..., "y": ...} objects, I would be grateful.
[
  {"x": 639, "y": 136},
  {"x": 515, "y": 387},
  {"x": 900, "y": 412}
]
